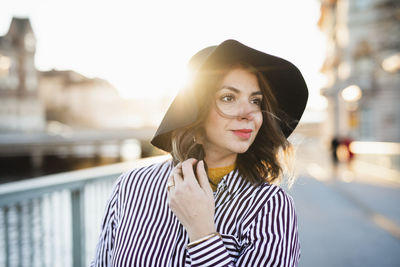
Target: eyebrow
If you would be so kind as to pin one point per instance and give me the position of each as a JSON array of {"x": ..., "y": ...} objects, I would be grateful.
[{"x": 238, "y": 91}]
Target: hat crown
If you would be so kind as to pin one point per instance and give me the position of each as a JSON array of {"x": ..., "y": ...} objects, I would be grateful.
[{"x": 198, "y": 59}]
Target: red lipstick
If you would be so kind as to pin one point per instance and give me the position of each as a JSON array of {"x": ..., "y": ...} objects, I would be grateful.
[{"x": 243, "y": 133}]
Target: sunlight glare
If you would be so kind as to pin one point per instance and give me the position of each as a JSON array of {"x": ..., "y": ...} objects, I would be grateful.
[{"x": 143, "y": 51}]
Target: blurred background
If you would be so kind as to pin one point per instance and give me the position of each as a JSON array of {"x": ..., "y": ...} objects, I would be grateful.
[{"x": 84, "y": 84}]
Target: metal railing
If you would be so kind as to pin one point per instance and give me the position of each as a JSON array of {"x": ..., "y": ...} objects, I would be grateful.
[{"x": 55, "y": 220}]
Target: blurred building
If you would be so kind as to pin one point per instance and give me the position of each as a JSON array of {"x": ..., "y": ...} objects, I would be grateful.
[
  {"x": 30, "y": 99},
  {"x": 79, "y": 101},
  {"x": 362, "y": 66},
  {"x": 20, "y": 107}
]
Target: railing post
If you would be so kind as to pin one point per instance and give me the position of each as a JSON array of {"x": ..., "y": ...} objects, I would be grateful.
[
  {"x": 78, "y": 227},
  {"x": 6, "y": 236}
]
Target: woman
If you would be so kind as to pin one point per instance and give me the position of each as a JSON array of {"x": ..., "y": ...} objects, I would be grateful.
[{"x": 215, "y": 202}]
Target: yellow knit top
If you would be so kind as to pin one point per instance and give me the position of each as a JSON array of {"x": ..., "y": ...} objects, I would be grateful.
[{"x": 215, "y": 175}]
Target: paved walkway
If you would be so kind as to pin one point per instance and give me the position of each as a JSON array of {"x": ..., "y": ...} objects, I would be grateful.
[{"x": 344, "y": 220}]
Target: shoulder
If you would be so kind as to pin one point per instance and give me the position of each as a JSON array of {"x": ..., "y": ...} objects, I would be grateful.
[
  {"x": 280, "y": 193},
  {"x": 152, "y": 171},
  {"x": 278, "y": 201},
  {"x": 275, "y": 198},
  {"x": 267, "y": 192},
  {"x": 147, "y": 170},
  {"x": 143, "y": 176},
  {"x": 272, "y": 211}
]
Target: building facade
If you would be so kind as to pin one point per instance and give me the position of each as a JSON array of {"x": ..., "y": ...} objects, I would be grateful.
[
  {"x": 79, "y": 101},
  {"x": 362, "y": 67},
  {"x": 20, "y": 106}
]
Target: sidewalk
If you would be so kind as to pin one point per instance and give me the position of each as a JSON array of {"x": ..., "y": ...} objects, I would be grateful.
[
  {"x": 359, "y": 182},
  {"x": 313, "y": 159},
  {"x": 345, "y": 218}
]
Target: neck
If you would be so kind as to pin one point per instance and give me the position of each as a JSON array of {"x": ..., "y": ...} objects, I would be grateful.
[{"x": 214, "y": 160}]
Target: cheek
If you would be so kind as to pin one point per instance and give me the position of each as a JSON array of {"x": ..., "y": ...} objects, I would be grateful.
[
  {"x": 215, "y": 120},
  {"x": 258, "y": 122},
  {"x": 211, "y": 125},
  {"x": 215, "y": 125}
]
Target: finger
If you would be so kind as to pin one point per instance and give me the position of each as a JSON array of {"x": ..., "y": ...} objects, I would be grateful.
[
  {"x": 202, "y": 176},
  {"x": 169, "y": 188},
  {"x": 170, "y": 182},
  {"x": 177, "y": 175},
  {"x": 178, "y": 167},
  {"x": 188, "y": 173}
]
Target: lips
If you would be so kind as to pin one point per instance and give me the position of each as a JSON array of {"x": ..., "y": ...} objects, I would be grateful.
[{"x": 243, "y": 133}]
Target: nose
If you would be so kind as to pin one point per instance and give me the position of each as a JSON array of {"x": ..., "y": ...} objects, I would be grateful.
[{"x": 245, "y": 111}]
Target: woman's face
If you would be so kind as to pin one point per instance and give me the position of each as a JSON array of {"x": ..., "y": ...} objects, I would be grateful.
[{"x": 240, "y": 93}]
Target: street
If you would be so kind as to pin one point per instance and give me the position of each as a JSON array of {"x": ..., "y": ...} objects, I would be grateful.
[{"x": 351, "y": 222}]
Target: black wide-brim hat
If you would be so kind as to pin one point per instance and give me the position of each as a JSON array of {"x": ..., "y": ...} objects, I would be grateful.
[{"x": 284, "y": 78}]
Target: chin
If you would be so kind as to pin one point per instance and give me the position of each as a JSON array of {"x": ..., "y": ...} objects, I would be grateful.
[{"x": 241, "y": 149}]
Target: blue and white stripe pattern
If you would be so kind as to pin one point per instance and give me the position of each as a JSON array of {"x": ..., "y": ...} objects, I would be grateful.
[{"x": 258, "y": 225}]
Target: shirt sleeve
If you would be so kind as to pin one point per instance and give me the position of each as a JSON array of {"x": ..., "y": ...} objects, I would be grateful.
[
  {"x": 272, "y": 239},
  {"x": 105, "y": 244}
]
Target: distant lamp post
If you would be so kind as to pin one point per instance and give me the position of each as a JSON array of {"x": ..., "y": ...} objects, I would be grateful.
[
  {"x": 352, "y": 93},
  {"x": 392, "y": 63}
]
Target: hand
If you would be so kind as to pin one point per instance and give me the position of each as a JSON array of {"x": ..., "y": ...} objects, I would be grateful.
[{"x": 191, "y": 199}]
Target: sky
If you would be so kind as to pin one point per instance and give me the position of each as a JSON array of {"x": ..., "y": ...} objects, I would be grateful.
[{"x": 142, "y": 47}]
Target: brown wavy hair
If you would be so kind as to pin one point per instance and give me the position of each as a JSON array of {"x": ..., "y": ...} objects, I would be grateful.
[{"x": 264, "y": 160}]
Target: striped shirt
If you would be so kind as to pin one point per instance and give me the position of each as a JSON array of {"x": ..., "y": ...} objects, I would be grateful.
[{"x": 258, "y": 225}]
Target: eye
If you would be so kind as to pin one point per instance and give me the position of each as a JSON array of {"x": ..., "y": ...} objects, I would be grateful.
[
  {"x": 257, "y": 101},
  {"x": 227, "y": 98}
]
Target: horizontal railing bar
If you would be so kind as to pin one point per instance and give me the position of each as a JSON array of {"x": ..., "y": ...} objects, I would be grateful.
[
  {"x": 15, "y": 197},
  {"x": 74, "y": 136},
  {"x": 375, "y": 148},
  {"x": 16, "y": 191}
]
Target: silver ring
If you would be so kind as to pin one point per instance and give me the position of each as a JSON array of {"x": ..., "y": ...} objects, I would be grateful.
[{"x": 170, "y": 184}]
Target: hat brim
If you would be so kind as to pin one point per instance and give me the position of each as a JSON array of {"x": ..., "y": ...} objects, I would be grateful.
[{"x": 285, "y": 79}]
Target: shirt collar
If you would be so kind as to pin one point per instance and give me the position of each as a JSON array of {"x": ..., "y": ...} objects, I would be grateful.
[{"x": 234, "y": 183}]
